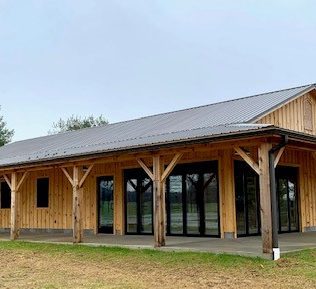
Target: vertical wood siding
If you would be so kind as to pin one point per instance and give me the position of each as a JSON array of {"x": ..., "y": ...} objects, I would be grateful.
[
  {"x": 295, "y": 115},
  {"x": 59, "y": 213}
]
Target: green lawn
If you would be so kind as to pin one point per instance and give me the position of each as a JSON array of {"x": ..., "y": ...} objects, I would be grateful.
[{"x": 35, "y": 265}]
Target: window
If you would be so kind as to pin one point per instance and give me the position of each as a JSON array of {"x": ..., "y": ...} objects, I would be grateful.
[
  {"x": 5, "y": 196},
  {"x": 42, "y": 192}
]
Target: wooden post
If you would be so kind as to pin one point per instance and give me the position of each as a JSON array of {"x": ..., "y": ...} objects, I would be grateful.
[
  {"x": 76, "y": 209},
  {"x": 158, "y": 203},
  {"x": 227, "y": 195},
  {"x": 14, "y": 231},
  {"x": 77, "y": 196},
  {"x": 265, "y": 197},
  {"x": 159, "y": 176}
]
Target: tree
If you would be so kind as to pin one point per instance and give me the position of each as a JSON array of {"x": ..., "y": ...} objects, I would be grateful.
[
  {"x": 75, "y": 122},
  {"x": 5, "y": 133}
]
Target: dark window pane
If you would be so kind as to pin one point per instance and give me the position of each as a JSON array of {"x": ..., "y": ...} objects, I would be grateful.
[
  {"x": 175, "y": 203},
  {"x": 5, "y": 196},
  {"x": 106, "y": 204},
  {"x": 131, "y": 206},
  {"x": 42, "y": 192},
  {"x": 211, "y": 204}
]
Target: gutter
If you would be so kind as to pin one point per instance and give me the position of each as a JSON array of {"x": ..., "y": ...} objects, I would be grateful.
[{"x": 273, "y": 195}]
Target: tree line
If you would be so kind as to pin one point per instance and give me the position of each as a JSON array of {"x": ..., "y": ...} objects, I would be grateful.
[{"x": 74, "y": 122}]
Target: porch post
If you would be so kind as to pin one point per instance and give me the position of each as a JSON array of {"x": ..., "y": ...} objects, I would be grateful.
[
  {"x": 14, "y": 230},
  {"x": 76, "y": 209},
  {"x": 159, "y": 218},
  {"x": 265, "y": 197},
  {"x": 227, "y": 195}
]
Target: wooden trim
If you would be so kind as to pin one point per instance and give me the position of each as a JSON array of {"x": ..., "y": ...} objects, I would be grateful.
[
  {"x": 248, "y": 159},
  {"x": 68, "y": 176},
  {"x": 171, "y": 166},
  {"x": 145, "y": 168},
  {"x": 278, "y": 156},
  {"x": 85, "y": 175}
]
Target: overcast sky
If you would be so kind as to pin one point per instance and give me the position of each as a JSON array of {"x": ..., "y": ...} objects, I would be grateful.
[{"x": 126, "y": 59}]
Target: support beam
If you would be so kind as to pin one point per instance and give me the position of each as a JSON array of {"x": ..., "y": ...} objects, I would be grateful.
[
  {"x": 278, "y": 156},
  {"x": 8, "y": 181},
  {"x": 85, "y": 176},
  {"x": 159, "y": 218},
  {"x": 76, "y": 207},
  {"x": 265, "y": 197},
  {"x": 145, "y": 168},
  {"x": 248, "y": 159},
  {"x": 159, "y": 176},
  {"x": 77, "y": 196},
  {"x": 171, "y": 166},
  {"x": 14, "y": 230}
]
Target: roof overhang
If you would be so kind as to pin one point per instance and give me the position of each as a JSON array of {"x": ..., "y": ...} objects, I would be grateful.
[{"x": 295, "y": 138}]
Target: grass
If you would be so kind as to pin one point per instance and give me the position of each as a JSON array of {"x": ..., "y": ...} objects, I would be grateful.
[{"x": 39, "y": 265}]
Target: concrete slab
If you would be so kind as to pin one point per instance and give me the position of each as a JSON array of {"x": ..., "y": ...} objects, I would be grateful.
[{"x": 249, "y": 246}]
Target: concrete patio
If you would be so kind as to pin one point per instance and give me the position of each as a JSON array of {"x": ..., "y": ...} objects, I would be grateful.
[{"x": 247, "y": 246}]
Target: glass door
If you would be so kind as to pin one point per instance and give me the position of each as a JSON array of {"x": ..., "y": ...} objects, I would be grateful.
[
  {"x": 139, "y": 202},
  {"x": 287, "y": 199},
  {"x": 247, "y": 200},
  {"x": 192, "y": 200},
  {"x": 105, "y": 204}
]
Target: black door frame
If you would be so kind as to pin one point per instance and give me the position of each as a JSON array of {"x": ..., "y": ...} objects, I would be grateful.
[
  {"x": 246, "y": 170},
  {"x": 288, "y": 172},
  {"x": 138, "y": 174},
  {"x": 183, "y": 170},
  {"x": 107, "y": 229},
  {"x": 280, "y": 170}
]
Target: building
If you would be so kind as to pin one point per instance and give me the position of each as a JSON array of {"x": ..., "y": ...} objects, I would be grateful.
[{"x": 235, "y": 168}]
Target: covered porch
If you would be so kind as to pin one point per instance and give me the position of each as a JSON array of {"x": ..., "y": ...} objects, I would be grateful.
[{"x": 246, "y": 246}]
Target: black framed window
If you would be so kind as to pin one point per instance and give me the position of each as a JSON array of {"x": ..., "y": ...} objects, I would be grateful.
[
  {"x": 5, "y": 197},
  {"x": 192, "y": 200},
  {"x": 42, "y": 193}
]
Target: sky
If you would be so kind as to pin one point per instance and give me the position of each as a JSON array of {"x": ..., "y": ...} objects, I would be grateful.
[{"x": 127, "y": 59}]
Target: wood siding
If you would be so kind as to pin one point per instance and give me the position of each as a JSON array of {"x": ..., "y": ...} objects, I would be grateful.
[
  {"x": 59, "y": 213},
  {"x": 298, "y": 115}
]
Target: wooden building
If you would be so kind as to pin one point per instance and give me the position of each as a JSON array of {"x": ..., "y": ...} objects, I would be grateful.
[{"x": 226, "y": 170}]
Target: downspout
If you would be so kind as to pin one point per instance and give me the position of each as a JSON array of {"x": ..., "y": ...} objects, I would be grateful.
[{"x": 273, "y": 192}]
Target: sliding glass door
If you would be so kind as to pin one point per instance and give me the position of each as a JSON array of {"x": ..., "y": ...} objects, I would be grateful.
[
  {"x": 139, "y": 202},
  {"x": 287, "y": 199},
  {"x": 192, "y": 200}
]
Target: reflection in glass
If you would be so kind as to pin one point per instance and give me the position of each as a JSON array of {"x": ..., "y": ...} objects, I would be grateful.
[{"x": 106, "y": 205}]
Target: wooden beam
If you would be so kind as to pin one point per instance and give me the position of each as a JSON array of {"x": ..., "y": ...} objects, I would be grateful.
[
  {"x": 85, "y": 175},
  {"x": 7, "y": 181},
  {"x": 145, "y": 168},
  {"x": 171, "y": 166},
  {"x": 314, "y": 155},
  {"x": 25, "y": 174},
  {"x": 14, "y": 227},
  {"x": 76, "y": 207},
  {"x": 158, "y": 205},
  {"x": 248, "y": 159},
  {"x": 265, "y": 197},
  {"x": 278, "y": 156},
  {"x": 68, "y": 176}
]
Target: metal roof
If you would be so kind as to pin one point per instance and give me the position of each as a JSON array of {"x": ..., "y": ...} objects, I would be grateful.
[{"x": 190, "y": 124}]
